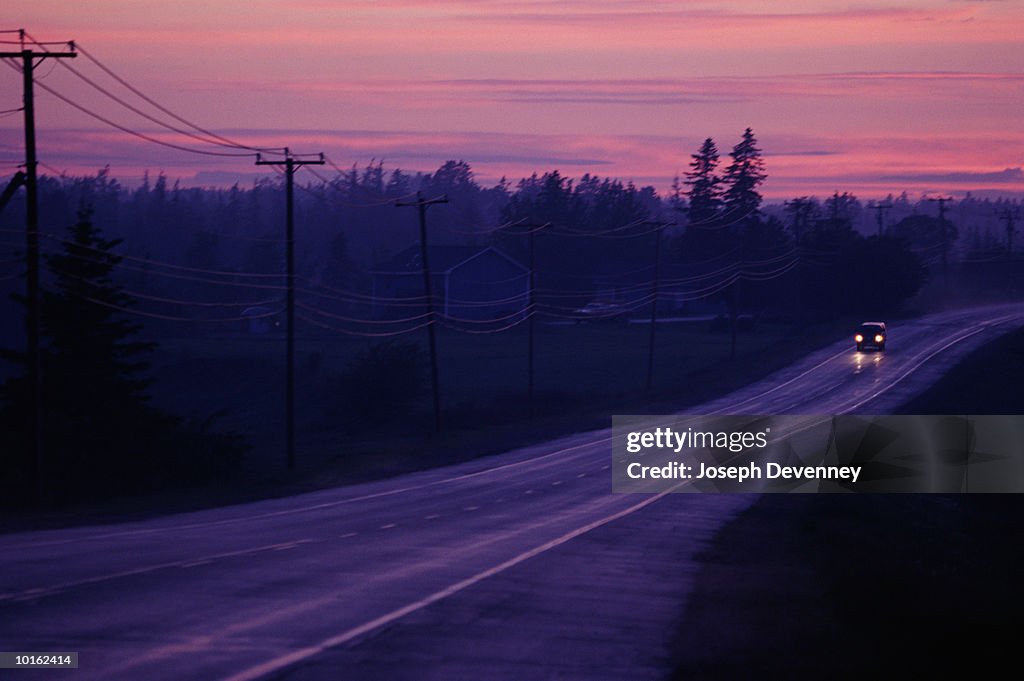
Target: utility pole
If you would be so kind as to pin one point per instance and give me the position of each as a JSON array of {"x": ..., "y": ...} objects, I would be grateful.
[
  {"x": 880, "y": 209},
  {"x": 655, "y": 286},
  {"x": 1010, "y": 217},
  {"x": 533, "y": 228},
  {"x": 422, "y": 204},
  {"x": 801, "y": 209},
  {"x": 29, "y": 59},
  {"x": 942, "y": 201},
  {"x": 291, "y": 164},
  {"x": 529, "y": 322}
]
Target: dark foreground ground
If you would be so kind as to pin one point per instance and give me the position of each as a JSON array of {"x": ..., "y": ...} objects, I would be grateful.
[{"x": 836, "y": 586}]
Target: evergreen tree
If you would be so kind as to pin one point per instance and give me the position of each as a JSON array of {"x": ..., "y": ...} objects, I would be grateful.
[
  {"x": 91, "y": 347},
  {"x": 705, "y": 186},
  {"x": 742, "y": 178},
  {"x": 93, "y": 390},
  {"x": 839, "y": 212},
  {"x": 101, "y": 434}
]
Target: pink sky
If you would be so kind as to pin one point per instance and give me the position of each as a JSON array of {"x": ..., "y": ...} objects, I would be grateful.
[{"x": 870, "y": 97}]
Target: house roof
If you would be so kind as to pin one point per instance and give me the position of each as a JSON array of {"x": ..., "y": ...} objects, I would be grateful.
[{"x": 443, "y": 259}]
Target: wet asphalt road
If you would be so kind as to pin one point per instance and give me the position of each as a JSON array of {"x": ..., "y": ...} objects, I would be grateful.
[{"x": 414, "y": 577}]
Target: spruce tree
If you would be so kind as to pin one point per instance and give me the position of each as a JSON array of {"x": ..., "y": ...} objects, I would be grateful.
[
  {"x": 92, "y": 347},
  {"x": 99, "y": 431},
  {"x": 705, "y": 186},
  {"x": 742, "y": 178}
]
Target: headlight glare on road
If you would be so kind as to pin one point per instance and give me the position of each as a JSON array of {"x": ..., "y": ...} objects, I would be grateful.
[
  {"x": 859, "y": 338},
  {"x": 879, "y": 338}
]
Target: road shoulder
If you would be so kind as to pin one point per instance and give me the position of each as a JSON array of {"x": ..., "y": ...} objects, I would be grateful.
[{"x": 836, "y": 586}]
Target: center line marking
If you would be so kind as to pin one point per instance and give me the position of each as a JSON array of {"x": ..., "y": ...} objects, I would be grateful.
[
  {"x": 57, "y": 588},
  {"x": 295, "y": 656},
  {"x": 433, "y": 516},
  {"x": 388, "y": 526}
]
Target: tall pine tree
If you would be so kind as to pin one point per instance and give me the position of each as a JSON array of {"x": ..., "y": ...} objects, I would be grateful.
[
  {"x": 705, "y": 192},
  {"x": 101, "y": 436},
  {"x": 742, "y": 178},
  {"x": 92, "y": 350},
  {"x": 98, "y": 425}
]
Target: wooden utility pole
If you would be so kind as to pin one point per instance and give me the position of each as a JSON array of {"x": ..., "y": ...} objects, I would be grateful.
[
  {"x": 1009, "y": 217},
  {"x": 29, "y": 59},
  {"x": 422, "y": 204},
  {"x": 655, "y": 290},
  {"x": 942, "y": 201},
  {"x": 291, "y": 164},
  {"x": 533, "y": 228},
  {"x": 880, "y": 209}
]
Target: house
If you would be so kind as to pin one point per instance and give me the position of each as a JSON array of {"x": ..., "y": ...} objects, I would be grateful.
[{"x": 467, "y": 282}]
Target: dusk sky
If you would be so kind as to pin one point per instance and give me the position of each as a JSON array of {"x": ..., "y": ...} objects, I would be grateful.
[{"x": 864, "y": 96}]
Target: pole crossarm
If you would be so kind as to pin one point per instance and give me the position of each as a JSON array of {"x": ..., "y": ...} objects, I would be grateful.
[
  {"x": 425, "y": 203},
  {"x": 290, "y": 161}
]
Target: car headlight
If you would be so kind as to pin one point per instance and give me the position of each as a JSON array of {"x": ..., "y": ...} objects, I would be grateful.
[
  {"x": 859, "y": 338},
  {"x": 879, "y": 338}
]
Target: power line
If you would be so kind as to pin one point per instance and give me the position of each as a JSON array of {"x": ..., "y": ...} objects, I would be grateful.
[
  {"x": 172, "y": 301},
  {"x": 135, "y": 133},
  {"x": 364, "y": 334},
  {"x": 158, "y": 263},
  {"x": 174, "y": 318},
  {"x": 221, "y": 139},
  {"x": 342, "y": 318},
  {"x": 145, "y": 115}
]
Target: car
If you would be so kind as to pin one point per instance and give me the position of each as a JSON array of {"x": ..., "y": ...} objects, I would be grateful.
[{"x": 871, "y": 335}]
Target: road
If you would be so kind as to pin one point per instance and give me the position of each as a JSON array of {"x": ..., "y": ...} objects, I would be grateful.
[{"x": 517, "y": 566}]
